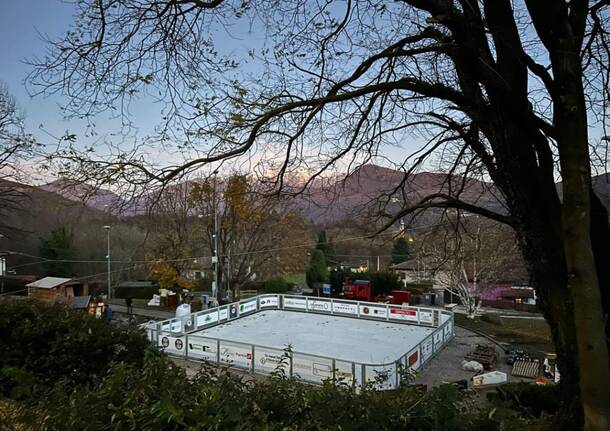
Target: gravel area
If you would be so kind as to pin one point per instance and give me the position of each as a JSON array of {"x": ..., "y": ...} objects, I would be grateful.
[{"x": 447, "y": 364}]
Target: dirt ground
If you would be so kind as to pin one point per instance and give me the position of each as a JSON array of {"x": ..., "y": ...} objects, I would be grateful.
[{"x": 446, "y": 366}]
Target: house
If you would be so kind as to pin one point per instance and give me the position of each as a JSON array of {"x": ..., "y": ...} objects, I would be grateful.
[
  {"x": 57, "y": 289},
  {"x": 417, "y": 271},
  {"x": 518, "y": 295}
]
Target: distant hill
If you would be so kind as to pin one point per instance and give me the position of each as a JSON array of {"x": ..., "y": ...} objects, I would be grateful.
[
  {"x": 332, "y": 200},
  {"x": 100, "y": 199},
  {"x": 358, "y": 195},
  {"x": 40, "y": 212}
]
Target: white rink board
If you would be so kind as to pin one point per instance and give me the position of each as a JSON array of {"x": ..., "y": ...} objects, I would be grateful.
[{"x": 350, "y": 339}]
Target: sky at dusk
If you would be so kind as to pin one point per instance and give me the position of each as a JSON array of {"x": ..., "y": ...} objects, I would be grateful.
[{"x": 24, "y": 24}]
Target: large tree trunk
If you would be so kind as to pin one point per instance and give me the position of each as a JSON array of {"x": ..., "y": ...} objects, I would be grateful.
[{"x": 572, "y": 139}]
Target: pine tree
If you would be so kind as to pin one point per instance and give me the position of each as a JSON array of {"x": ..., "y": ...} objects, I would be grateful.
[
  {"x": 325, "y": 246},
  {"x": 317, "y": 272},
  {"x": 400, "y": 250},
  {"x": 57, "y": 248}
]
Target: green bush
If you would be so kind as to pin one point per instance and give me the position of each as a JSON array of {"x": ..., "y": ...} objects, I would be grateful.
[
  {"x": 385, "y": 282},
  {"x": 276, "y": 285},
  {"x": 159, "y": 396},
  {"x": 43, "y": 343}
]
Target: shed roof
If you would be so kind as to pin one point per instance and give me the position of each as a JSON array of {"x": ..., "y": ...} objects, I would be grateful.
[
  {"x": 80, "y": 302},
  {"x": 49, "y": 282}
]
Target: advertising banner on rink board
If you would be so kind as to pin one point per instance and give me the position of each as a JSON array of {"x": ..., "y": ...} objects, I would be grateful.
[
  {"x": 240, "y": 356},
  {"x": 202, "y": 348},
  {"x": 345, "y": 308},
  {"x": 247, "y": 307},
  {"x": 438, "y": 338},
  {"x": 206, "y": 319},
  {"x": 344, "y": 372},
  {"x": 319, "y": 305},
  {"x": 269, "y": 301},
  {"x": 312, "y": 368},
  {"x": 373, "y": 311},
  {"x": 426, "y": 349},
  {"x": 426, "y": 316},
  {"x": 223, "y": 313},
  {"x": 233, "y": 310},
  {"x": 269, "y": 360},
  {"x": 413, "y": 359},
  {"x": 173, "y": 345},
  {"x": 298, "y": 303},
  {"x": 447, "y": 331},
  {"x": 384, "y": 377},
  {"x": 403, "y": 314}
]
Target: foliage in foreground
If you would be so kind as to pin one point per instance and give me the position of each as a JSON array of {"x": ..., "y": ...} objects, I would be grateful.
[
  {"x": 42, "y": 343},
  {"x": 159, "y": 396},
  {"x": 134, "y": 387}
]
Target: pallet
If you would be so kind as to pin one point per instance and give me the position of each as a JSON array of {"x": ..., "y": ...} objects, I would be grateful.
[
  {"x": 483, "y": 354},
  {"x": 527, "y": 369}
]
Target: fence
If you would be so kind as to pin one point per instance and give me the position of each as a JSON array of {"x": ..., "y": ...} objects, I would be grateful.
[{"x": 176, "y": 337}]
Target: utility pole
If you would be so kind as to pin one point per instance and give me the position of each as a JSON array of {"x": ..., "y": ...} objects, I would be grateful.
[
  {"x": 108, "y": 258},
  {"x": 215, "y": 287}
]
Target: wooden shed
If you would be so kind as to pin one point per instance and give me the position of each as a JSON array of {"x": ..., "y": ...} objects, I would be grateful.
[{"x": 57, "y": 289}]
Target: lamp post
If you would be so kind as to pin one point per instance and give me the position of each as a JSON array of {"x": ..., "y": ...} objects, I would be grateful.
[
  {"x": 107, "y": 228},
  {"x": 215, "y": 289}
]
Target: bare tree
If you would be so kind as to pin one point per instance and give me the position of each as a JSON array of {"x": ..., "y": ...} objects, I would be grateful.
[
  {"x": 15, "y": 145},
  {"x": 470, "y": 258},
  {"x": 492, "y": 88}
]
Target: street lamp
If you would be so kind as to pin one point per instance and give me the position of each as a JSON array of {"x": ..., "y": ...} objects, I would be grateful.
[
  {"x": 215, "y": 288},
  {"x": 107, "y": 228}
]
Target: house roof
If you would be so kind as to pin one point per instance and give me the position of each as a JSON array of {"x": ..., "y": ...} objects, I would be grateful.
[
  {"x": 415, "y": 265},
  {"x": 49, "y": 282}
]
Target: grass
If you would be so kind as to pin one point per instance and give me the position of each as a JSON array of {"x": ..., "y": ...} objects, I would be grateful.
[
  {"x": 532, "y": 335},
  {"x": 297, "y": 278}
]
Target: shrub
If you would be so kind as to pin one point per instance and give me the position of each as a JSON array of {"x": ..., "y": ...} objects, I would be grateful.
[
  {"x": 276, "y": 285},
  {"x": 42, "y": 343}
]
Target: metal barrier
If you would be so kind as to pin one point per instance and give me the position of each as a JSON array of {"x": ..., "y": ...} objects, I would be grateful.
[{"x": 176, "y": 337}]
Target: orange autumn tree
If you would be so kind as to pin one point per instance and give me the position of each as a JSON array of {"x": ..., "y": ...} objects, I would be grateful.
[{"x": 167, "y": 276}]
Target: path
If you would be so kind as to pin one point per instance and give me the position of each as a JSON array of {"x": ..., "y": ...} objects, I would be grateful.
[
  {"x": 447, "y": 365},
  {"x": 144, "y": 312}
]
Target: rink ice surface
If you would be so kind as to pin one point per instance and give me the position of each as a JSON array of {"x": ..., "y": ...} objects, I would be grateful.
[{"x": 350, "y": 339}]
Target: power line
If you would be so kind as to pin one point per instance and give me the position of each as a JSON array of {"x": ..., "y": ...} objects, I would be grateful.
[{"x": 269, "y": 250}]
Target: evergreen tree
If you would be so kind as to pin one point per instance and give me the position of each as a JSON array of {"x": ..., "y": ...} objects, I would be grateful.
[
  {"x": 58, "y": 246},
  {"x": 326, "y": 247},
  {"x": 400, "y": 250},
  {"x": 317, "y": 272}
]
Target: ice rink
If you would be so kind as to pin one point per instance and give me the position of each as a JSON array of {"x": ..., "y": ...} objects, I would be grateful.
[{"x": 360, "y": 340}]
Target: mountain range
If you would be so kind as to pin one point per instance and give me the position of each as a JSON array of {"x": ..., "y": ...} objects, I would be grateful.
[
  {"x": 347, "y": 198},
  {"x": 352, "y": 196}
]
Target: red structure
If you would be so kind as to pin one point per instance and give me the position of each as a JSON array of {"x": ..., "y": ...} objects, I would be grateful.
[{"x": 361, "y": 290}]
